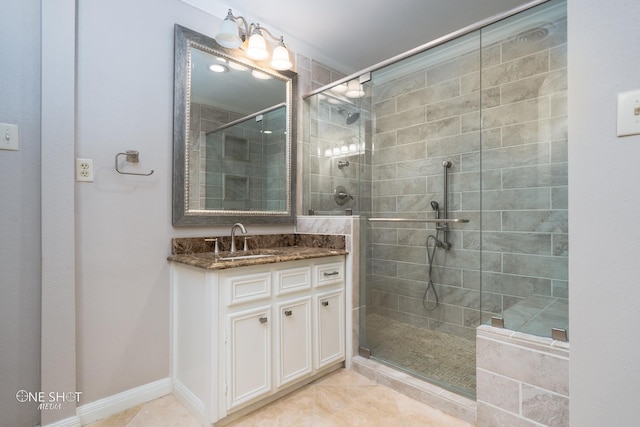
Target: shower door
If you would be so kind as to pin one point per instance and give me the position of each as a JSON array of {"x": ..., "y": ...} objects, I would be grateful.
[
  {"x": 422, "y": 291},
  {"x": 475, "y": 130}
]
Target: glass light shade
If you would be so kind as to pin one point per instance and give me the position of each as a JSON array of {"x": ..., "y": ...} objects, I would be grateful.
[
  {"x": 229, "y": 35},
  {"x": 340, "y": 89},
  {"x": 257, "y": 48},
  {"x": 280, "y": 59},
  {"x": 354, "y": 89}
]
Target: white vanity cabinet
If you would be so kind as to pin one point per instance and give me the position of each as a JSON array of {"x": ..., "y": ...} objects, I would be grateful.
[{"x": 243, "y": 336}]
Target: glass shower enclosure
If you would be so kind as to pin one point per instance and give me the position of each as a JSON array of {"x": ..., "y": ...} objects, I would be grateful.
[{"x": 455, "y": 158}]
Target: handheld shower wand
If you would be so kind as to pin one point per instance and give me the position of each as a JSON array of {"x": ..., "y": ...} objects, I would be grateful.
[
  {"x": 431, "y": 253},
  {"x": 436, "y": 207}
]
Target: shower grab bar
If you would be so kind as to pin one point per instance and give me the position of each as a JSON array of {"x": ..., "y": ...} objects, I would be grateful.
[{"x": 446, "y": 221}]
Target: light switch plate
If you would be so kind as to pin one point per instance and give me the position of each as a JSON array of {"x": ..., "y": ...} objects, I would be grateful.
[
  {"x": 629, "y": 113},
  {"x": 8, "y": 137}
]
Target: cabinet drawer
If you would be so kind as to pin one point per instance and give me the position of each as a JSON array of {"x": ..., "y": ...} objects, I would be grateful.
[
  {"x": 292, "y": 280},
  {"x": 245, "y": 288},
  {"x": 329, "y": 274}
]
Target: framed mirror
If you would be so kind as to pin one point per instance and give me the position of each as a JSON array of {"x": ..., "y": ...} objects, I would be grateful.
[{"x": 233, "y": 136}]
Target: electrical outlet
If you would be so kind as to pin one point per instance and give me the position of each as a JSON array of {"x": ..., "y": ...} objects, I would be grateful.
[{"x": 84, "y": 170}]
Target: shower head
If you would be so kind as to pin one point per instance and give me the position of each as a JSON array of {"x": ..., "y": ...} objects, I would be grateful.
[
  {"x": 436, "y": 207},
  {"x": 351, "y": 117}
]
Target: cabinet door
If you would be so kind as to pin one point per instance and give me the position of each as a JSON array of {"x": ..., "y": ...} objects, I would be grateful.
[
  {"x": 294, "y": 340},
  {"x": 248, "y": 355},
  {"x": 330, "y": 328}
]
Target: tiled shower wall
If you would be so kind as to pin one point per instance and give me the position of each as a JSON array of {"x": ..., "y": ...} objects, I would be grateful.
[
  {"x": 502, "y": 124},
  {"x": 522, "y": 380},
  {"x": 332, "y": 140},
  {"x": 252, "y": 180},
  {"x": 202, "y": 118}
]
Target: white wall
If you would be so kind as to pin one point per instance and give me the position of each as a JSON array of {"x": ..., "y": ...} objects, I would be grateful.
[
  {"x": 20, "y": 211},
  {"x": 604, "y": 207},
  {"x": 58, "y": 303}
]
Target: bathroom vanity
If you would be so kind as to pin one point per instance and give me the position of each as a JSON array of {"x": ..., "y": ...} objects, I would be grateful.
[{"x": 248, "y": 329}]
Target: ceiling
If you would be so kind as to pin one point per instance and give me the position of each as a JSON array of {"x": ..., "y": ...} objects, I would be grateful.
[{"x": 351, "y": 35}]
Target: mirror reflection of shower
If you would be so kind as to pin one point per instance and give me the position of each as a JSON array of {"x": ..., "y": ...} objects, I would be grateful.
[{"x": 352, "y": 117}]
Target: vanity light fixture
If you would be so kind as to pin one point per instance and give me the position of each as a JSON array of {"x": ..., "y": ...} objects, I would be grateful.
[
  {"x": 235, "y": 30},
  {"x": 354, "y": 89}
]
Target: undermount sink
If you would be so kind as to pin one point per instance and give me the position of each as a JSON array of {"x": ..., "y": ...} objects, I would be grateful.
[{"x": 239, "y": 257}]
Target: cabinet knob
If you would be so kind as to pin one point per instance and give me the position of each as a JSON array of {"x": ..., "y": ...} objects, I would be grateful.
[
  {"x": 325, "y": 303},
  {"x": 263, "y": 320},
  {"x": 288, "y": 312}
]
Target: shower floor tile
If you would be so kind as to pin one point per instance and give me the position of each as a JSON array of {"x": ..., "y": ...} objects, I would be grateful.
[{"x": 446, "y": 360}]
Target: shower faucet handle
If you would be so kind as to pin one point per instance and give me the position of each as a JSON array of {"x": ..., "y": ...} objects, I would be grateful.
[{"x": 341, "y": 196}]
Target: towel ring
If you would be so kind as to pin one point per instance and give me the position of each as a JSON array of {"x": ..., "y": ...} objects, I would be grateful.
[{"x": 133, "y": 157}]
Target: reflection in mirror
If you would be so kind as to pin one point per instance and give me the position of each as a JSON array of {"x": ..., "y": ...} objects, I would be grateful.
[
  {"x": 245, "y": 164},
  {"x": 232, "y": 137}
]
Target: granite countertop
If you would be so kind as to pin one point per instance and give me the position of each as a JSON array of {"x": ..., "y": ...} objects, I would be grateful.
[
  {"x": 215, "y": 262},
  {"x": 197, "y": 252}
]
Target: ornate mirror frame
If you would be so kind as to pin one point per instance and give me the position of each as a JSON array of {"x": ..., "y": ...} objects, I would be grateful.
[{"x": 184, "y": 215}]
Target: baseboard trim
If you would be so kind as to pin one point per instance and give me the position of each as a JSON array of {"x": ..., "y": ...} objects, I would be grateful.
[
  {"x": 190, "y": 401},
  {"x": 108, "y": 406}
]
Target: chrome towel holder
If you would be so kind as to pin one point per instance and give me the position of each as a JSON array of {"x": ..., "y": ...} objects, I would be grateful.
[{"x": 133, "y": 156}]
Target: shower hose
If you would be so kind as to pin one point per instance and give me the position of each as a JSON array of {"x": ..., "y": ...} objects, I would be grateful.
[{"x": 430, "y": 256}]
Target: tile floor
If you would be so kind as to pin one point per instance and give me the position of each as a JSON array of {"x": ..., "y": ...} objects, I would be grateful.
[
  {"x": 342, "y": 398},
  {"x": 438, "y": 357}
]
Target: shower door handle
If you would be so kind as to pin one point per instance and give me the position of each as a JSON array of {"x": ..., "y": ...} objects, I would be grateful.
[{"x": 445, "y": 221}]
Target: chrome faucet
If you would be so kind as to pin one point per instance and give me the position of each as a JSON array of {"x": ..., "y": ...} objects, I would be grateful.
[{"x": 233, "y": 234}]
